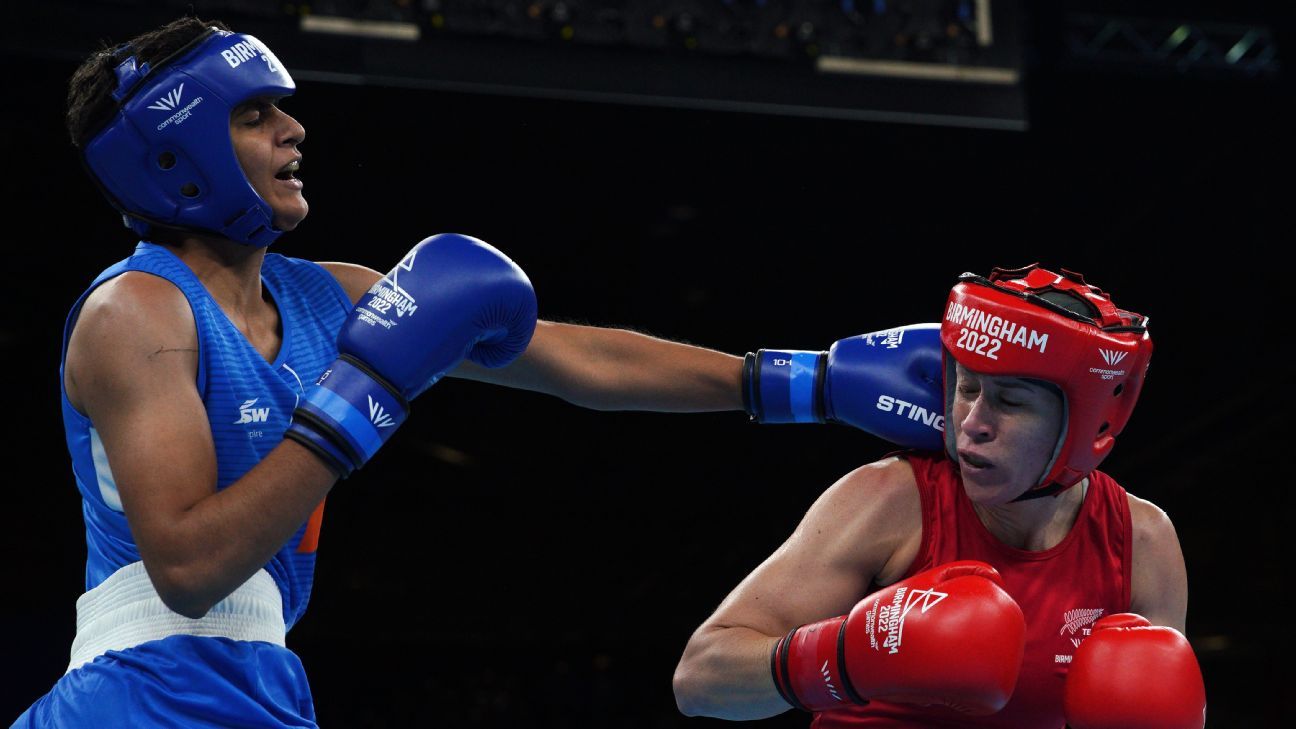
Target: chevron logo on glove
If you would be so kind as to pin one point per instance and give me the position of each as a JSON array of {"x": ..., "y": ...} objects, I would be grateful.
[{"x": 378, "y": 416}]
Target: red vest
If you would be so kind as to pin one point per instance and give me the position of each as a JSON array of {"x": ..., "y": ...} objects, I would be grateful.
[{"x": 1061, "y": 590}]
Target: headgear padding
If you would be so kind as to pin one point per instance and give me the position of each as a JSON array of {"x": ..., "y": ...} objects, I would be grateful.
[
  {"x": 165, "y": 158},
  {"x": 1009, "y": 325}
]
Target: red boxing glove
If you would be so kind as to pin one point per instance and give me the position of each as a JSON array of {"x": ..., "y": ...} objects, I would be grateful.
[
  {"x": 949, "y": 636},
  {"x": 1129, "y": 674}
]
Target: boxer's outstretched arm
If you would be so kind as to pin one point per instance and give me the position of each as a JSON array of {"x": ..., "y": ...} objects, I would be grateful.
[
  {"x": 601, "y": 368},
  {"x": 857, "y": 531},
  {"x": 616, "y": 369},
  {"x": 131, "y": 366}
]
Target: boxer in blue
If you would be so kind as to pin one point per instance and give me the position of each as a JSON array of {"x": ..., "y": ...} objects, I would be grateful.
[{"x": 213, "y": 393}]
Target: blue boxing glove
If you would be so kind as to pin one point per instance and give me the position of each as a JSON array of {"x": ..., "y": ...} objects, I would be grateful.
[
  {"x": 451, "y": 297},
  {"x": 886, "y": 383}
]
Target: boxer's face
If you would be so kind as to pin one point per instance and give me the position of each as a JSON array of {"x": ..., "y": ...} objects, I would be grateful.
[
  {"x": 1007, "y": 428},
  {"x": 265, "y": 142}
]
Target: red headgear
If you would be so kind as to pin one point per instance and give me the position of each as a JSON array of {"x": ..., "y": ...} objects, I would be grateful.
[{"x": 1033, "y": 323}]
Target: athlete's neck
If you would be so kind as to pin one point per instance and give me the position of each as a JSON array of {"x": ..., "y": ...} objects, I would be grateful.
[
  {"x": 230, "y": 271},
  {"x": 1037, "y": 524}
]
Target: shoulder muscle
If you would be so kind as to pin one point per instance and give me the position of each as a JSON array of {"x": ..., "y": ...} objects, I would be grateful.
[
  {"x": 864, "y": 518},
  {"x": 133, "y": 360},
  {"x": 355, "y": 279},
  {"x": 132, "y": 330},
  {"x": 1160, "y": 580},
  {"x": 839, "y": 548}
]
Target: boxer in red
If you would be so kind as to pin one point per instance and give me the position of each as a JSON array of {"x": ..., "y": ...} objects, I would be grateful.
[{"x": 997, "y": 577}]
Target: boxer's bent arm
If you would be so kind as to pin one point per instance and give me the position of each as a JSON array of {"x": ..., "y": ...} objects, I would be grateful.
[
  {"x": 1159, "y": 589},
  {"x": 132, "y": 361},
  {"x": 857, "y": 531},
  {"x": 600, "y": 368}
]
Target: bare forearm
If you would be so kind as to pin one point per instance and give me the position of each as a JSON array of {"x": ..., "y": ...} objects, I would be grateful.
[
  {"x": 632, "y": 371},
  {"x": 725, "y": 673},
  {"x": 617, "y": 369},
  {"x": 222, "y": 540}
]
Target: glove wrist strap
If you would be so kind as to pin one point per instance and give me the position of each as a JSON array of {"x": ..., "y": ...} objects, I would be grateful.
[
  {"x": 350, "y": 412},
  {"x": 810, "y": 667},
  {"x": 785, "y": 386}
]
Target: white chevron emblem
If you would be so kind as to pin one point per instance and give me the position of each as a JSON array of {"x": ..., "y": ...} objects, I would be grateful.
[
  {"x": 379, "y": 416},
  {"x": 1111, "y": 356},
  {"x": 170, "y": 101}
]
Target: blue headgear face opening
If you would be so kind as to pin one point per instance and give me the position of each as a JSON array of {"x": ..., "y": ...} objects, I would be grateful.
[{"x": 166, "y": 157}]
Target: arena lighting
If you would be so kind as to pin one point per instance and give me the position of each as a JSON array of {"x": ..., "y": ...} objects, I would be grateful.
[
  {"x": 930, "y": 71},
  {"x": 333, "y": 25},
  {"x": 938, "y": 62},
  {"x": 923, "y": 71}
]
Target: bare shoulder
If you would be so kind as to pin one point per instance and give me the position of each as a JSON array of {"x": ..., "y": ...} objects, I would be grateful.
[
  {"x": 1159, "y": 589},
  {"x": 134, "y": 310},
  {"x": 1151, "y": 525},
  {"x": 872, "y": 513},
  {"x": 826, "y": 566},
  {"x": 134, "y": 292},
  {"x": 354, "y": 278},
  {"x": 133, "y": 318},
  {"x": 897, "y": 515},
  {"x": 881, "y": 488}
]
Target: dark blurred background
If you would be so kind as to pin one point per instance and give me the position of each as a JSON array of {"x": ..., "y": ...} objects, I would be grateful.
[{"x": 733, "y": 173}]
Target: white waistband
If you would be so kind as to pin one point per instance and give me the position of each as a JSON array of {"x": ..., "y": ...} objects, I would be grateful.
[{"x": 125, "y": 610}]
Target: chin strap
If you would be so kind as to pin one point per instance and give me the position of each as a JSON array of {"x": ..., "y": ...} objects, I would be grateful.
[
  {"x": 1039, "y": 493},
  {"x": 1052, "y": 489}
]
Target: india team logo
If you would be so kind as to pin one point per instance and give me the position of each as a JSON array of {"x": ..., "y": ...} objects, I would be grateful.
[{"x": 250, "y": 414}]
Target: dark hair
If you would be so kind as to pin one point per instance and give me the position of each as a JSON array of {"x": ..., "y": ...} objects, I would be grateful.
[{"x": 90, "y": 103}]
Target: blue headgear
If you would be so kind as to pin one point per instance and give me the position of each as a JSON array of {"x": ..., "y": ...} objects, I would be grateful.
[{"x": 165, "y": 158}]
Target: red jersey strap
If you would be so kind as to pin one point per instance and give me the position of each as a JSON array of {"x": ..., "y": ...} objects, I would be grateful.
[
  {"x": 1117, "y": 500},
  {"x": 923, "y": 464}
]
